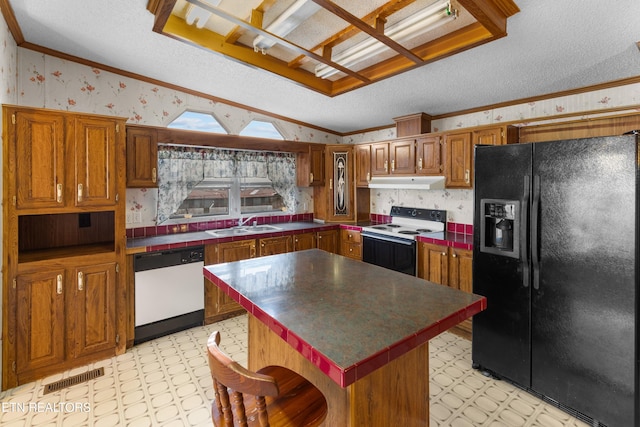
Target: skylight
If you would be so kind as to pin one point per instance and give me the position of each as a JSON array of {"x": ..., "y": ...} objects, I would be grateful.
[
  {"x": 192, "y": 120},
  {"x": 261, "y": 129}
]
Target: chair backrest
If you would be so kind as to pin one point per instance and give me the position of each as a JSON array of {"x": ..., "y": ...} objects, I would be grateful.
[{"x": 227, "y": 374}]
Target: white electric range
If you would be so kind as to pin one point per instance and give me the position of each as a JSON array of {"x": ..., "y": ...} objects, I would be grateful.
[{"x": 393, "y": 245}]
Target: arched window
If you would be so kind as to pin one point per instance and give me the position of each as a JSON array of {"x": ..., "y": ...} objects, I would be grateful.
[
  {"x": 192, "y": 120},
  {"x": 261, "y": 129}
]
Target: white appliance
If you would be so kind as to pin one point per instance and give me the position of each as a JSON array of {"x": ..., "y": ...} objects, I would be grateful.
[
  {"x": 169, "y": 292},
  {"x": 393, "y": 245}
]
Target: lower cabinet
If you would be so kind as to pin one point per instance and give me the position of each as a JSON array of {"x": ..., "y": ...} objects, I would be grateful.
[
  {"x": 450, "y": 267},
  {"x": 327, "y": 240},
  {"x": 275, "y": 245},
  {"x": 218, "y": 305},
  {"x": 63, "y": 315},
  {"x": 350, "y": 244},
  {"x": 304, "y": 241}
]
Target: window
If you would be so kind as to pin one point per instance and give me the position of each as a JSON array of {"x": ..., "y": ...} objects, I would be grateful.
[
  {"x": 191, "y": 120},
  {"x": 199, "y": 182},
  {"x": 261, "y": 129}
]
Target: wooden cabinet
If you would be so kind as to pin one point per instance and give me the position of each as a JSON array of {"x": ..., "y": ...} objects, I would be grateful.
[
  {"x": 327, "y": 240},
  {"x": 335, "y": 201},
  {"x": 63, "y": 315},
  {"x": 142, "y": 157},
  {"x": 351, "y": 244},
  {"x": 39, "y": 165},
  {"x": 363, "y": 165},
  {"x": 275, "y": 245},
  {"x": 458, "y": 167},
  {"x": 62, "y": 161},
  {"x": 64, "y": 242},
  {"x": 402, "y": 155},
  {"x": 39, "y": 321},
  {"x": 217, "y": 304},
  {"x": 395, "y": 157},
  {"x": 380, "y": 158},
  {"x": 498, "y": 135},
  {"x": 429, "y": 155},
  {"x": 310, "y": 166},
  {"x": 449, "y": 267},
  {"x": 304, "y": 241}
]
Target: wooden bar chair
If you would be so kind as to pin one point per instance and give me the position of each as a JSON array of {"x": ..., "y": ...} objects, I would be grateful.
[{"x": 273, "y": 396}]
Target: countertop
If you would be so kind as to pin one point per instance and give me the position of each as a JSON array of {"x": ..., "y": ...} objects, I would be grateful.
[
  {"x": 346, "y": 317},
  {"x": 197, "y": 238}
]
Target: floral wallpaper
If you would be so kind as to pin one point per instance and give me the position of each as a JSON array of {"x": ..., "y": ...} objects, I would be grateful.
[
  {"x": 459, "y": 203},
  {"x": 49, "y": 82}
]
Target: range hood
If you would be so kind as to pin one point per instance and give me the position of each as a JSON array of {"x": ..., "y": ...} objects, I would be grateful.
[{"x": 408, "y": 182}]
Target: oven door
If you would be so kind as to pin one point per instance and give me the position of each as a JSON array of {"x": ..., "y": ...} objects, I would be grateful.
[{"x": 390, "y": 252}]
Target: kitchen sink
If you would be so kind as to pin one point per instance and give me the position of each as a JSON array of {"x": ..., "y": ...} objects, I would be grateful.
[
  {"x": 261, "y": 228},
  {"x": 243, "y": 230}
]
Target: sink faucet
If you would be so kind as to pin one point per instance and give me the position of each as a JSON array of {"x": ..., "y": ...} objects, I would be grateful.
[{"x": 242, "y": 222}]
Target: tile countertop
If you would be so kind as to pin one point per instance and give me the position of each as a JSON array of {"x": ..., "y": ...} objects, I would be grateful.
[
  {"x": 197, "y": 238},
  {"x": 346, "y": 317}
]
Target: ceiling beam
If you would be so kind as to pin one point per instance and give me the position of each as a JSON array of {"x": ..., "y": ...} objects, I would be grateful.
[
  {"x": 447, "y": 45},
  {"x": 372, "y": 31},
  {"x": 298, "y": 49},
  {"x": 383, "y": 11}
]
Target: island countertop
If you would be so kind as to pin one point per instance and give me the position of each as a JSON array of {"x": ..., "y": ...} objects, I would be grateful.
[{"x": 346, "y": 317}]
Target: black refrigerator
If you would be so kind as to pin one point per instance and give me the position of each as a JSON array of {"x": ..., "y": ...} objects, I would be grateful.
[{"x": 556, "y": 255}]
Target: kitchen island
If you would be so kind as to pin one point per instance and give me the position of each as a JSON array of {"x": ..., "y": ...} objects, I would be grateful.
[{"x": 357, "y": 331}]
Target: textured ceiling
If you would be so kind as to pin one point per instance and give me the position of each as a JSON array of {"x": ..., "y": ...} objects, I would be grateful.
[{"x": 552, "y": 46}]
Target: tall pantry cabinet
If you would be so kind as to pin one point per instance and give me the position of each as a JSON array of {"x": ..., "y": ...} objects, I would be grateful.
[{"x": 63, "y": 241}]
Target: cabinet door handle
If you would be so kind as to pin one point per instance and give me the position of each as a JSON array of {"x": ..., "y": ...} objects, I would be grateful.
[
  {"x": 453, "y": 255},
  {"x": 59, "y": 284},
  {"x": 331, "y": 184},
  {"x": 80, "y": 281},
  {"x": 420, "y": 163},
  {"x": 80, "y": 188},
  {"x": 310, "y": 176},
  {"x": 368, "y": 176},
  {"x": 444, "y": 254},
  {"x": 386, "y": 168},
  {"x": 59, "y": 193},
  {"x": 466, "y": 176},
  {"x": 393, "y": 165},
  {"x": 154, "y": 175}
]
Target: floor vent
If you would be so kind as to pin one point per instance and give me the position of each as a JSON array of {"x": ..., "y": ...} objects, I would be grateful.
[{"x": 76, "y": 379}]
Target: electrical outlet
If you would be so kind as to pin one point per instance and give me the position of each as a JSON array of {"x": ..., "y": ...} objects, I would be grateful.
[
  {"x": 129, "y": 217},
  {"x": 137, "y": 217}
]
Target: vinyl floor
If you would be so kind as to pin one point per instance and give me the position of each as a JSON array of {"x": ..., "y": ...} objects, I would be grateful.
[{"x": 166, "y": 382}]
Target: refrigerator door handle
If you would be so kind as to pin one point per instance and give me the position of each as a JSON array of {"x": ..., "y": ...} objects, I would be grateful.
[
  {"x": 524, "y": 221},
  {"x": 535, "y": 211}
]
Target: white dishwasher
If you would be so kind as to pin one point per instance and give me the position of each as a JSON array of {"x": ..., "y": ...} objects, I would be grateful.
[{"x": 169, "y": 292}]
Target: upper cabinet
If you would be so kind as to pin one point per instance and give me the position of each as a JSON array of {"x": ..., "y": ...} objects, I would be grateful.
[
  {"x": 393, "y": 158},
  {"x": 498, "y": 135},
  {"x": 429, "y": 155},
  {"x": 458, "y": 165},
  {"x": 62, "y": 161},
  {"x": 363, "y": 165},
  {"x": 142, "y": 157},
  {"x": 310, "y": 168},
  {"x": 458, "y": 160}
]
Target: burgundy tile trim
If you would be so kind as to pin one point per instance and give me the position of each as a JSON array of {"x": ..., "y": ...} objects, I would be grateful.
[{"x": 347, "y": 376}]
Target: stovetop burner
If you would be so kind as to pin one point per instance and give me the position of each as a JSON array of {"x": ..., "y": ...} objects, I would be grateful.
[{"x": 407, "y": 223}]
